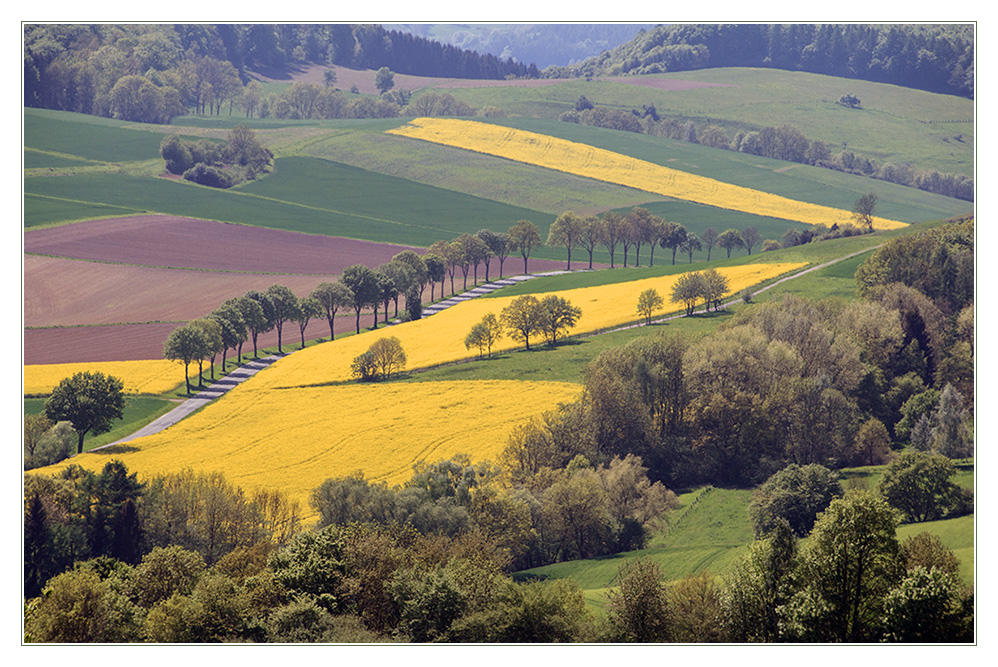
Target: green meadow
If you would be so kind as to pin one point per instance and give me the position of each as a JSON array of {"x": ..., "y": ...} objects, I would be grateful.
[
  {"x": 895, "y": 124},
  {"x": 139, "y": 411}
]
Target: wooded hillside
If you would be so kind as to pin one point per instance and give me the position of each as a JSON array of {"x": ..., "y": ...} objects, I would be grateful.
[{"x": 937, "y": 58}]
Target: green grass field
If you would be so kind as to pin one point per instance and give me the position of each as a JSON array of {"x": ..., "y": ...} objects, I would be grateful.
[
  {"x": 139, "y": 411},
  {"x": 895, "y": 124}
]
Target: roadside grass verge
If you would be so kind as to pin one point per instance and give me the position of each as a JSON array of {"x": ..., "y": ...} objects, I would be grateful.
[{"x": 139, "y": 411}]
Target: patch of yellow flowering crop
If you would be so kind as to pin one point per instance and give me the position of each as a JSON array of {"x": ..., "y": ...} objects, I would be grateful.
[
  {"x": 603, "y": 165},
  {"x": 139, "y": 377},
  {"x": 295, "y": 424},
  {"x": 293, "y": 440},
  {"x": 439, "y": 338}
]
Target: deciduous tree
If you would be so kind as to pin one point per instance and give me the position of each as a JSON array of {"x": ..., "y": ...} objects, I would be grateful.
[
  {"x": 611, "y": 230},
  {"x": 919, "y": 485},
  {"x": 523, "y": 318},
  {"x": 566, "y": 231},
  {"x": 558, "y": 315},
  {"x": 709, "y": 238},
  {"x": 331, "y": 296},
  {"x": 184, "y": 344},
  {"x": 523, "y": 237},
  {"x": 730, "y": 239},
  {"x": 285, "y": 304},
  {"x": 364, "y": 288},
  {"x": 648, "y": 302}
]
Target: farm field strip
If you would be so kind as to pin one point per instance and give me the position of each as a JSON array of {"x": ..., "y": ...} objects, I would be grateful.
[
  {"x": 603, "y": 165},
  {"x": 156, "y": 376},
  {"x": 163, "y": 241},
  {"x": 439, "y": 339},
  {"x": 293, "y": 441},
  {"x": 69, "y": 292}
]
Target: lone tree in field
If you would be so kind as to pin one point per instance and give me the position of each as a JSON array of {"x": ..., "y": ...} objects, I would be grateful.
[
  {"x": 688, "y": 289},
  {"x": 523, "y": 318},
  {"x": 648, "y": 302},
  {"x": 387, "y": 357},
  {"x": 558, "y": 315},
  {"x": 384, "y": 80},
  {"x": 523, "y": 236},
  {"x": 484, "y": 335},
  {"x": 185, "y": 344},
  {"x": 90, "y": 401},
  {"x": 862, "y": 210},
  {"x": 331, "y": 297}
]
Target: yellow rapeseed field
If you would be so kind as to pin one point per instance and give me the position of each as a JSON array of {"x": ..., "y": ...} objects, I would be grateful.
[
  {"x": 297, "y": 423},
  {"x": 440, "y": 338},
  {"x": 583, "y": 160},
  {"x": 139, "y": 377},
  {"x": 293, "y": 440}
]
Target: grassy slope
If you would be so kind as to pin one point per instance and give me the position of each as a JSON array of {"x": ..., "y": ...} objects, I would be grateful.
[
  {"x": 895, "y": 124},
  {"x": 139, "y": 411}
]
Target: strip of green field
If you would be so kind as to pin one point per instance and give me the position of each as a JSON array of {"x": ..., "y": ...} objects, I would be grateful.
[
  {"x": 303, "y": 195},
  {"x": 928, "y": 130},
  {"x": 787, "y": 179},
  {"x": 88, "y": 137},
  {"x": 465, "y": 171},
  {"x": 139, "y": 411}
]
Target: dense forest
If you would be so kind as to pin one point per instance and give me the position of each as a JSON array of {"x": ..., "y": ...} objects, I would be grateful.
[
  {"x": 152, "y": 73},
  {"x": 937, "y": 58}
]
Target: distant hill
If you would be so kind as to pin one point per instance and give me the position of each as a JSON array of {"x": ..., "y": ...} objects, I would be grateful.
[
  {"x": 934, "y": 57},
  {"x": 542, "y": 44}
]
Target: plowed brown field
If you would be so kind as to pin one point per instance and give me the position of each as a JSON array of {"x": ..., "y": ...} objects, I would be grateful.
[
  {"x": 167, "y": 241},
  {"x": 135, "y": 342},
  {"x": 66, "y": 292},
  {"x": 126, "y": 287}
]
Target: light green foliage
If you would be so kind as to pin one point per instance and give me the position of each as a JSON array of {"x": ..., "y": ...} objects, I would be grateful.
[
  {"x": 558, "y": 315},
  {"x": 848, "y": 566},
  {"x": 688, "y": 290},
  {"x": 523, "y": 237},
  {"x": 484, "y": 335},
  {"x": 523, "y": 318},
  {"x": 919, "y": 485},
  {"x": 81, "y": 606},
  {"x": 90, "y": 401},
  {"x": 648, "y": 302},
  {"x": 639, "y": 606}
]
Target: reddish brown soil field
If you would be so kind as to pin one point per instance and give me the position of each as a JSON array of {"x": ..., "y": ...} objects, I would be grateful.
[
  {"x": 67, "y": 292},
  {"x": 139, "y": 301},
  {"x": 166, "y": 241},
  {"x": 135, "y": 342}
]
